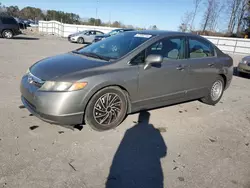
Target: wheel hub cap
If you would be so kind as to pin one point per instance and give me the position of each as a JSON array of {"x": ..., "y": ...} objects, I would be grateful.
[
  {"x": 107, "y": 108},
  {"x": 8, "y": 34},
  {"x": 216, "y": 90}
]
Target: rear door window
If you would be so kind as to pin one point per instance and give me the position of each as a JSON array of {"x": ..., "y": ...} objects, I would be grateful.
[
  {"x": 199, "y": 48},
  {"x": 99, "y": 33},
  {"x": 8, "y": 20}
]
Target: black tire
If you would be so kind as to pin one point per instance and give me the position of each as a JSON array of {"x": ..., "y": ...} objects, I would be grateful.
[
  {"x": 209, "y": 99},
  {"x": 80, "y": 40},
  {"x": 8, "y": 34},
  {"x": 92, "y": 109},
  {"x": 242, "y": 74}
]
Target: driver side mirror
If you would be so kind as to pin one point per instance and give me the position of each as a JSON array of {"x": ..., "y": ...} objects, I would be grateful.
[{"x": 153, "y": 59}]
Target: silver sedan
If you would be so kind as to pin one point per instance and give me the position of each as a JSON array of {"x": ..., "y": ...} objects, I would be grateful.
[
  {"x": 86, "y": 36},
  {"x": 244, "y": 65}
]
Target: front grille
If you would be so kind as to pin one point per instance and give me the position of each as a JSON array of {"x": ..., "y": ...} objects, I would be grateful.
[{"x": 37, "y": 84}]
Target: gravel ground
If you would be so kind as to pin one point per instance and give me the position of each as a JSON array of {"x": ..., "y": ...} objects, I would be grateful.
[{"x": 187, "y": 145}]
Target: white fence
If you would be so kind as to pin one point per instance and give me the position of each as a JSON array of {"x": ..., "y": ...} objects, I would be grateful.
[
  {"x": 64, "y": 30},
  {"x": 228, "y": 45},
  {"x": 231, "y": 45}
]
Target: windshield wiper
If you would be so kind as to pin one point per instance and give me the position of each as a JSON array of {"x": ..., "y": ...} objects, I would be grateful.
[{"x": 89, "y": 54}]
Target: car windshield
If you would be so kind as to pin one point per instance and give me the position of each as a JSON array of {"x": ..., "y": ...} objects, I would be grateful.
[
  {"x": 117, "y": 46},
  {"x": 114, "y": 32}
]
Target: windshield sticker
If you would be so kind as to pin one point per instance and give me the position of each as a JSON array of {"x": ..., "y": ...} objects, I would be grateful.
[{"x": 143, "y": 35}]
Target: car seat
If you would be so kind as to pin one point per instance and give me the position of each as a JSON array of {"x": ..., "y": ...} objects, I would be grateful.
[{"x": 197, "y": 51}]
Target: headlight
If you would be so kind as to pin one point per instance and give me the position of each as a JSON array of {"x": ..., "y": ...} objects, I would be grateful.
[
  {"x": 243, "y": 61},
  {"x": 62, "y": 86}
]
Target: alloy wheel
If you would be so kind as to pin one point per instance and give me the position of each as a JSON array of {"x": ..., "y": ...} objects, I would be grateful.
[
  {"x": 8, "y": 34},
  {"x": 107, "y": 108}
]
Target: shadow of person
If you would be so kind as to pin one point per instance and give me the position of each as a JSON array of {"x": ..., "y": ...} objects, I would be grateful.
[{"x": 136, "y": 163}]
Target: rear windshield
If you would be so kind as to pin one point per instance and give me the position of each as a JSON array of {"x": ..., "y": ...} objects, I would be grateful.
[{"x": 8, "y": 20}]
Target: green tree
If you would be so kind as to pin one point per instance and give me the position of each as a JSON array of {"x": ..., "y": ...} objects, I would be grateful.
[
  {"x": 2, "y": 9},
  {"x": 13, "y": 11},
  {"x": 91, "y": 21},
  {"x": 31, "y": 13},
  {"x": 98, "y": 22},
  {"x": 153, "y": 27},
  {"x": 116, "y": 24}
]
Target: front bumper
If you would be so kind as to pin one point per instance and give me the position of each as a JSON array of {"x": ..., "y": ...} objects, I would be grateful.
[
  {"x": 71, "y": 119},
  {"x": 63, "y": 108},
  {"x": 96, "y": 40},
  {"x": 99, "y": 39},
  {"x": 72, "y": 39},
  {"x": 245, "y": 68}
]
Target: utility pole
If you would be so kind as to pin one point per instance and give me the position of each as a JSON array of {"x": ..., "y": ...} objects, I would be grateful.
[
  {"x": 96, "y": 11},
  {"x": 109, "y": 18}
]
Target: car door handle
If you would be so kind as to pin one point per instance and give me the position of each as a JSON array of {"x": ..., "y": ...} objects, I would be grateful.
[
  {"x": 211, "y": 64},
  {"x": 180, "y": 67}
]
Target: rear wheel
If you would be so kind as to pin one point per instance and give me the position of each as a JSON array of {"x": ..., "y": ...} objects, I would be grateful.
[
  {"x": 8, "y": 34},
  {"x": 80, "y": 40},
  {"x": 215, "y": 92},
  {"x": 106, "y": 109}
]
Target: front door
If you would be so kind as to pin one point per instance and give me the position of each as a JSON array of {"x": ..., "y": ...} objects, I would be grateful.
[
  {"x": 89, "y": 38},
  {"x": 167, "y": 80}
]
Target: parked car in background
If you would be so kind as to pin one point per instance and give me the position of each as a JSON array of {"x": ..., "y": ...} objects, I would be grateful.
[
  {"x": 111, "y": 33},
  {"x": 9, "y": 27},
  {"x": 82, "y": 37},
  {"x": 138, "y": 70},
  {"x": 22, "y": 24},
  {"x": 244, "y": 66}
]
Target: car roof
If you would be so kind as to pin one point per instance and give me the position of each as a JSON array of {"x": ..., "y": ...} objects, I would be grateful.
[
  {"x": 6, "y": 16},
  {"x": 162, "y": 33},
  {"x": 125, "y": 29}
]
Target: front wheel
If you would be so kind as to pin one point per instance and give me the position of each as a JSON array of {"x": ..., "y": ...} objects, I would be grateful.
[
  {"x": 80, "y": 40},
  {"x": 106, "y": 109},
  {"x": 215, "y": 92}
]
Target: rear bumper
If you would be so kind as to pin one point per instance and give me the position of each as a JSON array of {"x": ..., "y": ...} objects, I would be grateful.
[
  {"x": 245, "y": 68},
  {"x": 228, "y": 84}
]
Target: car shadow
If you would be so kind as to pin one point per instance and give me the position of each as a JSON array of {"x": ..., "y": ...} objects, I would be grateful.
[
  {"x": 242, "y": 75},
  {"x": 24, "y": 38},
  {"x": 137, "y": 160}
]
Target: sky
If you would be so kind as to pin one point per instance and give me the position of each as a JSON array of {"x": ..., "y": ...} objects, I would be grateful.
[{"x": 165, "y": 14}]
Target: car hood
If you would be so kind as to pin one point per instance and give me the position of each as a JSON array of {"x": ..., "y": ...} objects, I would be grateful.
[
  {"x": 64, "y": 66},
  {"x": 102, "y": 36},
  {"x": 247, "y": 58}
]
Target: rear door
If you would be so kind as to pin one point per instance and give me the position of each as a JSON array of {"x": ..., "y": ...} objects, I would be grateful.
[{"x": 202, "y": 65}]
